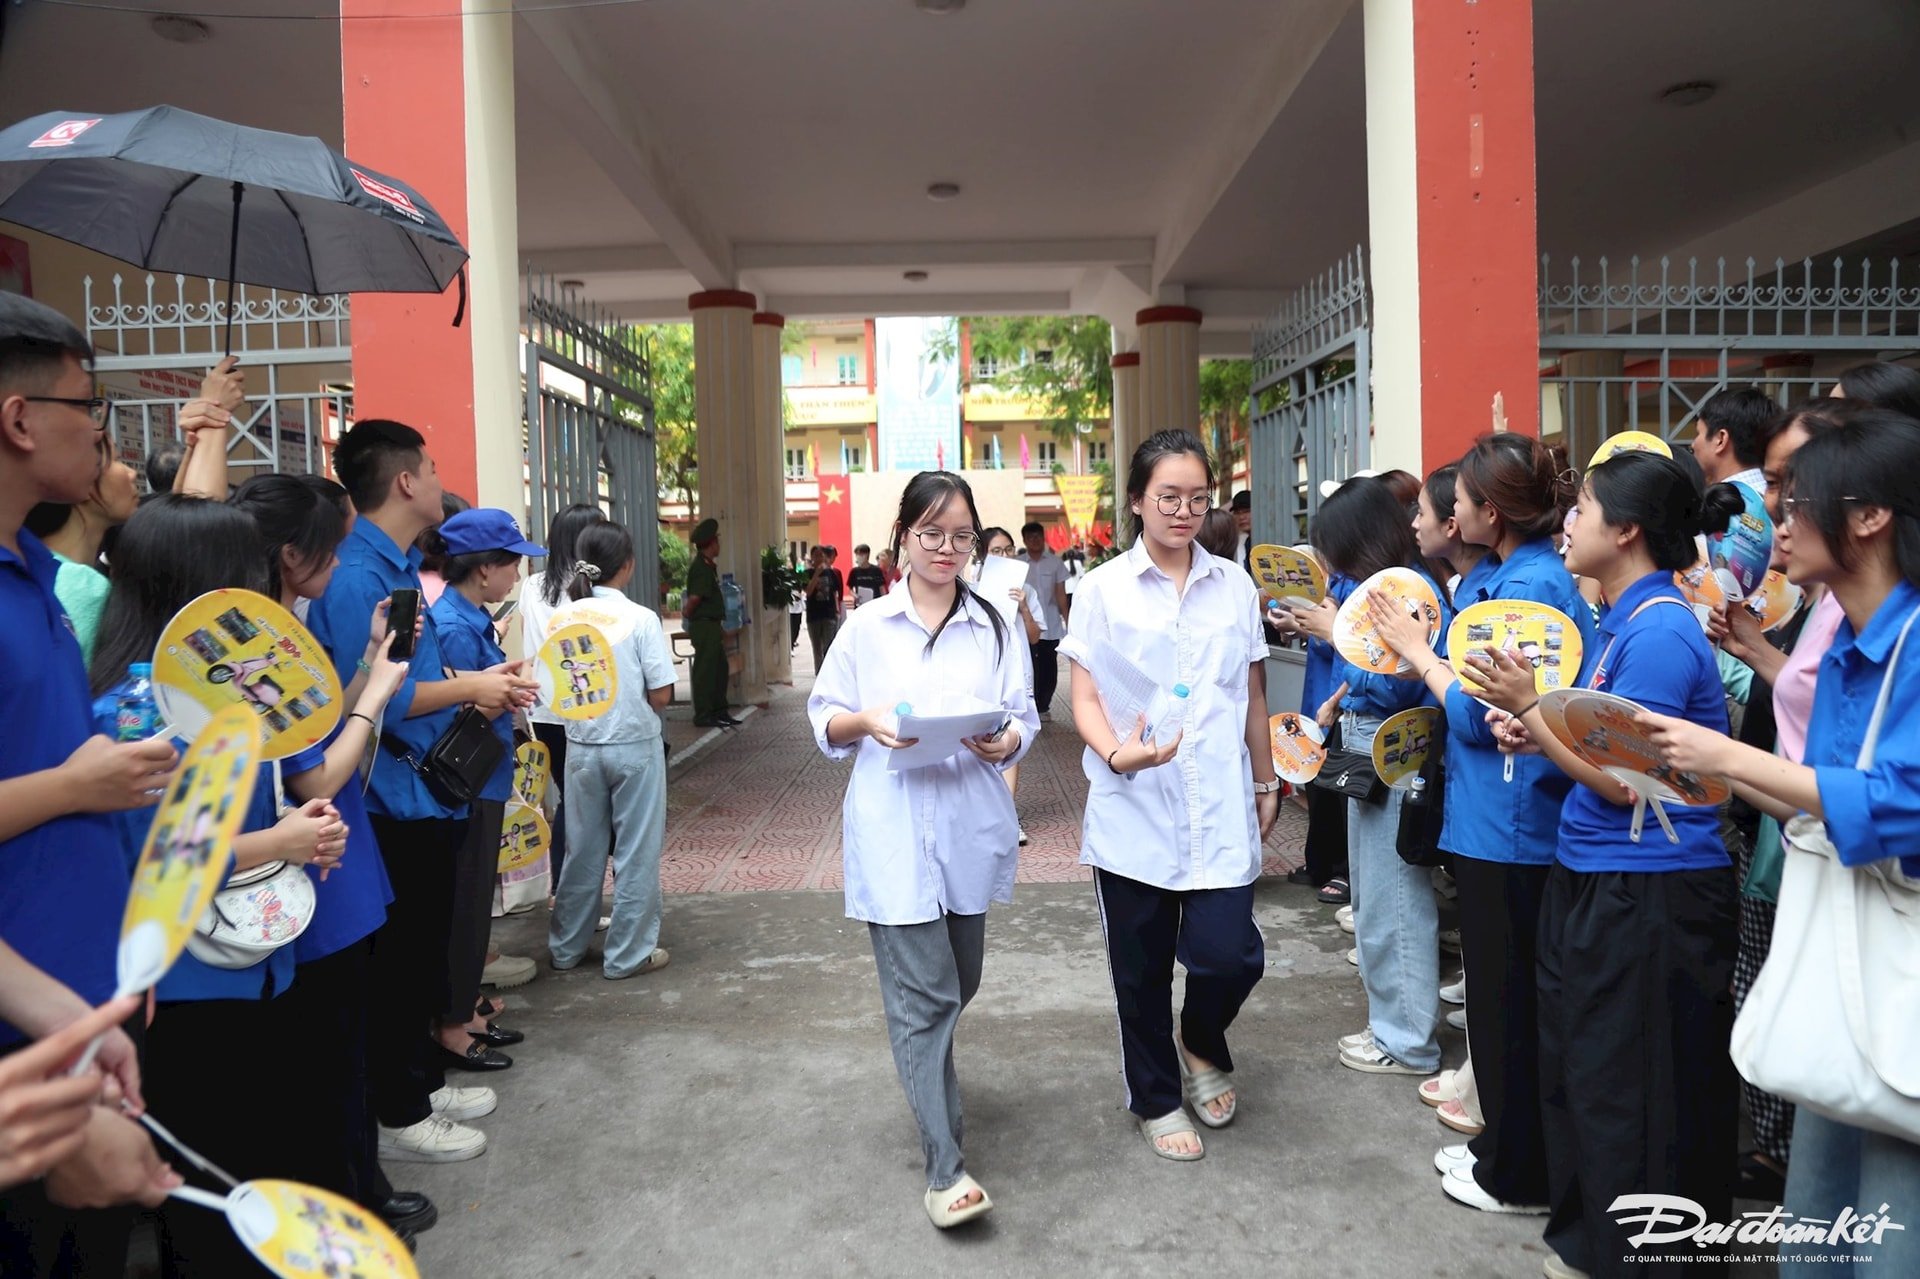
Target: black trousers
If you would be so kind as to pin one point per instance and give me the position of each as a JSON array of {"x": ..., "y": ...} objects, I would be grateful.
[
  {"x": 1638, "y": 1093},
  {"x": 39, "y": 1237},
  {"x": 1046, "y": 673},
  {"x": 1212, "y": 933},
  {"x": 408, "y": 983},
  {"x": 1326, "y": 845},
  {"x": 201, "y": 1056},
  {"x": 331, "y": 1140},
  {"x": 554, "y": 738},
  {"x": 1499, "y": 936},
  {"x": 474, "y": 870}
]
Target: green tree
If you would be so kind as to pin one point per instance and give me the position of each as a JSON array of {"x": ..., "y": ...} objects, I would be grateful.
[
  {"x": 1063, "y": 361},
  {"x": 1226, "y": 386},
  {"x": 670, "y": 359}
]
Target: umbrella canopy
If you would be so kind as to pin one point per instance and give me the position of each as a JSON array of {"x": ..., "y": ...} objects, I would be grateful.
[{"x": 179, "y": 193}]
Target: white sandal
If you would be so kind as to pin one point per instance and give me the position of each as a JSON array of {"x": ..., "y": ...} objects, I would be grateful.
[
  {"x": 1440, "y": 1089},
  {"x": 944, "y": 1215},
  {"x": 1203, "y": 1086},
  {"x": 1168, "y": 1126}
]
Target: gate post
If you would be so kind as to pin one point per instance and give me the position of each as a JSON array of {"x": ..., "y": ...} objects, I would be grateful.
[
  {"x": 724, "y": 439},
  {"x": 767, "y": 444},
  {"x": 1126, "y": 434}
]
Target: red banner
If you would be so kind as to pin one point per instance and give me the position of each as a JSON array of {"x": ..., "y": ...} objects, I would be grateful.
[{"x": 836, "y": 516}]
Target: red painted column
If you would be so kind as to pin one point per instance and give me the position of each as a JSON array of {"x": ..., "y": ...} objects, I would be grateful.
[
  {"x": 1479, "y": 256},
  {"x": 403, "y": 102}
]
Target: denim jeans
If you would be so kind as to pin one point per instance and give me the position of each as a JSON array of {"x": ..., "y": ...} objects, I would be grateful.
[
  {"x": 621, "y": 786},
  {"x": 1838, "y": 1166},
  {"x": 1396, "y": 923}
]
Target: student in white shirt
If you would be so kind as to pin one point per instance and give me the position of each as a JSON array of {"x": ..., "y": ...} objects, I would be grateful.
[
  {"x": 540, "y": 595},
  {"x": 1048, "y": 578},
  {"x": 927, "y": 849},
  {"x": 616, "y": 772},
  {"x": 1174, "y": 825}
]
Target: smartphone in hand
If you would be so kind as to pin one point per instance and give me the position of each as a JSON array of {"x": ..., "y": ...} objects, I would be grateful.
[{"x": 403, "y": 614}]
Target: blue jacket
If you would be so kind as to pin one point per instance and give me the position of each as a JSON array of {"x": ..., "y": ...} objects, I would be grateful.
[
  {"x": 1320, "y": 679},
  {"x": 1488, "y": 817}
]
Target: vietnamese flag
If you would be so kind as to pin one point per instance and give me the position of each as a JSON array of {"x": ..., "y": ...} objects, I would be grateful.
[{"x": 836, "y": 513}]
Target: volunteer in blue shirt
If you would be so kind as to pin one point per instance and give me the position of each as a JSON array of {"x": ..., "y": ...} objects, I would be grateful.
[
  {"x": 395, "y": 488},
  {"x": 1501, "y": 819},
  {"x": 1636, "y": 937},
  {"x": 63, "y": 880},
  {"x": 484, "y": 548},
  {"x": 1850, "y": 524},
  {"x": 1326, "y": 843},
  {"x": 1362, "y": 529}
]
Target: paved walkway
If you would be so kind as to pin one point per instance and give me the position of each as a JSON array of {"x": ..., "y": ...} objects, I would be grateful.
[{"x": 737, "y": 1112}]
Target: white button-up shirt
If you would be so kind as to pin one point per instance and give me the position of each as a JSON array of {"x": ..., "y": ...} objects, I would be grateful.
[
  {"x": 941, "y": 838},
  {"x": 1043, "y": 575},
  {"x": 1190, "y": 823}
]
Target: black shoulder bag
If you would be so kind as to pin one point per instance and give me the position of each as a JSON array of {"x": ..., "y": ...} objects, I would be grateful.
[
  {"x": 460, "y": 760},
  {"x": 1349, "y": 773}
]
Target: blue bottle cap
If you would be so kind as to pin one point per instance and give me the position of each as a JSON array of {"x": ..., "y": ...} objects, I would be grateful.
[
  {"x": 1181, "y": 690},
  {"x": 904, "y": 708},
  {"x": 140, "y": 668}
]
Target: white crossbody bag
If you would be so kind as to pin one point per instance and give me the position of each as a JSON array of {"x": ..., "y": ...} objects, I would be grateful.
[{"x": 1833, "y": 1020}]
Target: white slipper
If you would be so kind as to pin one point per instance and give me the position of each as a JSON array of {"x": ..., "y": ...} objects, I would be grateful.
[
  {"x": 945, "y": 1216},
  {"x": 1203, "y": 1086},
  {"x": 1167, "y": 1126}
]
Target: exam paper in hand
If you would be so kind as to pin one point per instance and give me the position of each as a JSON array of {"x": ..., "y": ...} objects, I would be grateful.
[
  {"x": 1000, "y": 575},
  {"x": 936, "y": 731},
  {"x": 1128, "y": 692}
]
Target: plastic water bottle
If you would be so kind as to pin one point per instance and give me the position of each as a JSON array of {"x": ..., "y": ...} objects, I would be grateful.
[
  {"x": 1167, "y": 712},
  {"x": 736, "y": 602},
  {"x": 136, "y": 716}
]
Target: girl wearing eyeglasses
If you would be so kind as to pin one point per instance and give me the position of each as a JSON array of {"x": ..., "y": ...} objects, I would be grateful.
[
  {"x": 927, "y": 849},
  {"x": 1175, "y": 820}
]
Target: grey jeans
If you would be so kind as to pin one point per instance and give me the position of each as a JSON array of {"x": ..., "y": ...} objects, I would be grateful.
[
  {"x": 928, "y": 973},
  {"x": 620, "y": 788}
]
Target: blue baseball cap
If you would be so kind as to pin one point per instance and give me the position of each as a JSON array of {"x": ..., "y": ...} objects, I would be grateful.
[{"x": 486, "y": 529}]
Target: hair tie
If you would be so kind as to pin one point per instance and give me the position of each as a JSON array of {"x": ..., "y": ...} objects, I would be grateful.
[{"x": 589, "y": 571}]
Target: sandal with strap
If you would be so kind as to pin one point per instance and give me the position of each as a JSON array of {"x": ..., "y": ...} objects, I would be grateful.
[
  {"x": 944, "y": 1215},
  {"x": 1440, "y": 1089},
  {"x": 1336, "y": 892},
  {"x": 1203, "y": 1086},
  {"x": 1167, "y": 1126}
]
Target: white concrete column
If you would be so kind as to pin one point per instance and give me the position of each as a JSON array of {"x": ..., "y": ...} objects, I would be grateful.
[
  {"x": 768, "y": 446},
  {"x": 1126, "y": 433},
  {"x": 723, "y": 437},
  {"x": 493, "y": 271},
  {"x": 1169, "y": 370}
]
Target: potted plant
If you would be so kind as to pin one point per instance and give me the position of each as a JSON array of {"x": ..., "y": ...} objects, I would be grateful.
[{"x": 779, "y": 581}]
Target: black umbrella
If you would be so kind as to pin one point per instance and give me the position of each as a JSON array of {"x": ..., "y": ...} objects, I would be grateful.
[{"x": 185, "y": 194}]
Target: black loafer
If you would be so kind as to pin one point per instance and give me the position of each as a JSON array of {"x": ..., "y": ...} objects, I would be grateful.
[
  {"x": 478, "y": 1057},
  {"x": 498, "y": 1036},
  {"x": 409, "y": 1211}
]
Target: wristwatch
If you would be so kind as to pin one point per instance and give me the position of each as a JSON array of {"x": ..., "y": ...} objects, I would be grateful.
[{"x": 1266, "y": 788}]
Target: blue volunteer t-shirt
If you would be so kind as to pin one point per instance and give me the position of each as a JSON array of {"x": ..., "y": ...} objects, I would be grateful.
[
  {"x": 63, "y": 884},
  {"x": 468, "y": 643},
  {"x": 1650, "y": 650},
  {"x": 351, "y": 902}
]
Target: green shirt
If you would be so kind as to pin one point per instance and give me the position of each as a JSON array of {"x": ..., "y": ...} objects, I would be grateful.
[
  {"x": 703, "y": 582},
  {"x": 82, "y": 591}
]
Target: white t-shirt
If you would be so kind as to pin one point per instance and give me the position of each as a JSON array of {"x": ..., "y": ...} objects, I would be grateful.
[
  {"x": 536, "y": 623},
  {"x": 1043, "y": 575},
  {"x": 641, "y": 659}
]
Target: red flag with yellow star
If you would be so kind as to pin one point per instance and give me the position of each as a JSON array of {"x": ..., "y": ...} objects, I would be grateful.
[{"x": 836, "y": 515}]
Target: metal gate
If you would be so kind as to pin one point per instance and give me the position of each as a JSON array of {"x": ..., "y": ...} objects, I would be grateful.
[
  {"x": 1642, "y": 351},
  {"x": 152, "y": 350},
  {"x": 1312, "y": 409},
  {"x": 589, "y": 424}
]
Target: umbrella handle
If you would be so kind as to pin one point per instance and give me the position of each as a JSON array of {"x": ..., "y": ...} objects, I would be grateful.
[{"x": 233, "y": 263}]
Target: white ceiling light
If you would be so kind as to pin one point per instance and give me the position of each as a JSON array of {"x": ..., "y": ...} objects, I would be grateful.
[
  {"x": 1690, "y": 94},
  {"x": 177, "y": 28},
  {"x": 943, "y": 191},
  {"x": 914, "y": 277}
]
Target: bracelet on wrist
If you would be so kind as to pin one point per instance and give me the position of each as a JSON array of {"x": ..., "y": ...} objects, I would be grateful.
[
  {"x": 1110, "y": 755},
  {"x": 1522, "y": 712},
  {"x": 361, "y": 715},
  {"x": 364, "y": 666}
]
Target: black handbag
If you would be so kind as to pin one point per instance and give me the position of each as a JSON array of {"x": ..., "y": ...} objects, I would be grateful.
[
  {"x": 459, "y": 762},
  {"x": 1350, "y": 773},
  {"x": 1418, "y": 840}
]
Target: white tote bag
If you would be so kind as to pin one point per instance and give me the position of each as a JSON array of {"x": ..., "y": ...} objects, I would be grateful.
[{"x": 1833, "y": 1020}]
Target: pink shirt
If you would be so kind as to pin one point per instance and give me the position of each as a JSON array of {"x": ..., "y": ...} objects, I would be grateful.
[
  {"x": 1793, "y": 691},
  {"x": 433, "y": 586}
]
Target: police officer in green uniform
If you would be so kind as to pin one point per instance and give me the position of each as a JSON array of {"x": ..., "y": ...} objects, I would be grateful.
[{"x": 704, "y": 612}]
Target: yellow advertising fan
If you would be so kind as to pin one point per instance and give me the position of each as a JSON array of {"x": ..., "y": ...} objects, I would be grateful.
[
  {"x": 1283, "y": 573},
  {"x": 1404, "y": 743},
  {"x": 1354, "y": 634},
  {"x": 532, "y": 772},
  {"x": 237, "y": 648},
  {"x": 297, "y": 1230},
  {"x": 576, "y": 673},
  {"x": 1775, "y": 601},
  {"x": 1539, "y": 632},
  {"x": 1600, "y": 728},
  {"x": 1629, "y": 442},
  {"x": 525, "y": 837},
  {"x": 1299, "y": 747}
]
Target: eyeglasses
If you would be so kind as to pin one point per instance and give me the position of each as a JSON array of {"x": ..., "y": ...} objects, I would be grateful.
[
  {"x": 96, "y": 406},
  {"x": 1789, "y": 505},
  {"x": 1170, "y": 504},
  {"x": 932, "y": 539}
]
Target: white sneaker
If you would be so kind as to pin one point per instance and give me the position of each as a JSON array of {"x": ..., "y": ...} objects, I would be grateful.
[
  {"x": 508, "y": 971},
  {"x": 1457, "y": 1019},
  {"x": 1462, "y": 1188},
  {"x": 1455, "y": 993},
  {"x": 1357, "y": 1039},
  {"x": 1344, "y": 918},
  {"x": 463, "y": 1103},
  {"x": 606, "y": 922},
  {"x": 1450, "y": 940},
  {"x": 1369, "y": 1059},
  {"x": 1447, "y": 1158},
  {"x": 432, "y": 1141},
  {"x": 1353, "y": 957}
]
